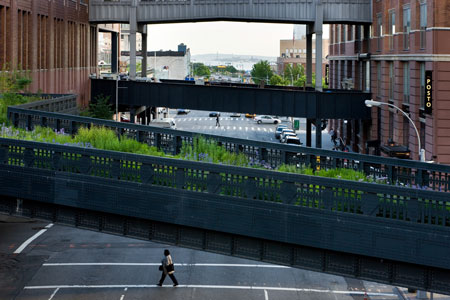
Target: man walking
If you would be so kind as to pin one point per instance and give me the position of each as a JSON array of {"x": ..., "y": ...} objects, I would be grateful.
[
  {"x": 167, "y": 268},
  {"x": 217, "y": 121}
]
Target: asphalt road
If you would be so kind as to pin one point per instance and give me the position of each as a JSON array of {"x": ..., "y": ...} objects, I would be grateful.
[
  {"x": 241, "y": 127},
  {"x": 69, "y": 263}
]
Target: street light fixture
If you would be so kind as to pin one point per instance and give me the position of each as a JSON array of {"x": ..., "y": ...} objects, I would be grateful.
[{"x": 370, "y": 103}]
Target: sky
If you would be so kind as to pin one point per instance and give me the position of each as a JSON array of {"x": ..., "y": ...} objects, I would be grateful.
[{"x": 262, "y": 39}]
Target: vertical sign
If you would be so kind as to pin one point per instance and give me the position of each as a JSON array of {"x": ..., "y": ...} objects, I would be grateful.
[
  {"x": 428, "y": 92},
  {"x": 327, "y": 73}
]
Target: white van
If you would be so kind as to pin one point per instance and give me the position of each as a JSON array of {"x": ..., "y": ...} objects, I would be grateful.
[{"x": 164, "y": 123}]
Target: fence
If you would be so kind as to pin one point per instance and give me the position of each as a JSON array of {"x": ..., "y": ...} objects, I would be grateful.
[{"x": 395, "y": 171}]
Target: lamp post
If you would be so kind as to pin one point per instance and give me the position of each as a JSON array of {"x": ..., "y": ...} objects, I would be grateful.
[{"x": 370, "y": 103}]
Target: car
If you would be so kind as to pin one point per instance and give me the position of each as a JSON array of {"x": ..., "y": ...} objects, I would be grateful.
[
  {"x": 293, "y": 141},
  {"x": 267, "y": 119},
  {"x": 183, "y": 111},
  {"x": 284, "y": 131},
  {"x": 279, "y": 129},
  {"x": 248, "y": 115},
  {"x": 214, "y": 114},
  {"x": 286, "y": 135},
  {"x": 235, "y": 115}
]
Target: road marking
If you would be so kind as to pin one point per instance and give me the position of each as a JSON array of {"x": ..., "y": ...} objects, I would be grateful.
[
  {"x": 195, "y": 119},
  {"x": 157, "y": 264},
  {"x": 210, "y": 127},
  {"x": 265, "y": 130},
  {"x": 246, "y": 128},
  {"x": 121, "y": 297},
  {"x": 253, "y": 128},
  {"x": 259, "y": 129},
  {"x": 53, "y": 295},
  {"x": 266, "y": 295},
  {"x": 240, "y": 128},
  {"x": 234, "y": 287},
  {"x": 234, "y": 127},
  {"x": 228, "y": 127},
  {"x": 27, "y": 242}
]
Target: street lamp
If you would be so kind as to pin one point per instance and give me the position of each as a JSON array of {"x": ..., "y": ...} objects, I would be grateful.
[{"x": 370, "y": 103}]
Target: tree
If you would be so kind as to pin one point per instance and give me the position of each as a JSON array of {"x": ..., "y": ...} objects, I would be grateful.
[
  {"x": 261, "y": 71},
  {"x": 301, "y": 82},
  {"x": 293, "y": 73},
  {"x": 201, "y": 70},
  {"x": 278, "y": 80},
  {"x": 99, "y": 108},
  {"x": 11, "y": 83}
]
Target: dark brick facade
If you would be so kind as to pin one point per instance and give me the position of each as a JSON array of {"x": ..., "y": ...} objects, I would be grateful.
[
  {"x": 401, "y": 52},
  {"x": 52, "y": 39}
]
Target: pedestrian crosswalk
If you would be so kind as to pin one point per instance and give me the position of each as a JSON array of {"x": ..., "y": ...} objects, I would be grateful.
[
  {"x": 226, "y": 127},
  {"x": 213, "y": 119}
]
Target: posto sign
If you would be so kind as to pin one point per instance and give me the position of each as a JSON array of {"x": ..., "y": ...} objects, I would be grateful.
[{"x": 428, "y": 92}]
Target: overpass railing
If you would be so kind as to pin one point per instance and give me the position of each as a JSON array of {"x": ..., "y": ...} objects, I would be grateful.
[
  {"x": 63, "y": 103},
  {"x": 394, "y": 171},
  {"x": 380, "y": 201}
]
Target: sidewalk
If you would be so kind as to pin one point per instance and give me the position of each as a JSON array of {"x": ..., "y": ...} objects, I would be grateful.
[{"x": 413, "y": 296}]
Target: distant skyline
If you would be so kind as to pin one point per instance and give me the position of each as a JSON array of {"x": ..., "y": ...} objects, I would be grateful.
[{"x": 242, "y": 38}]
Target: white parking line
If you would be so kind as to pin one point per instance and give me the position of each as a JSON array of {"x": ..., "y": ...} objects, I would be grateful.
[
  {"x": 240, "y": 128},
  {"x": 246, "y": 128},
  {"x": 234, "y": 287},
  {"x": 27, "y": 242},
  {"x": 234, "y": 127},
  {"x": 157, "y": 264},
  {"x": 53, "y": 295},
  {"x": 265, "y": 129},
  {"x": 266, "y": 295},
  {"x": 253, "y": 128}
]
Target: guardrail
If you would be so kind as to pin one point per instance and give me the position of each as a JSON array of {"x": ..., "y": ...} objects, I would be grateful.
[
  {"x": 62, "y": 103},
  {"x": 395, "y": 171},
  {"x": 380, "y": 201}
]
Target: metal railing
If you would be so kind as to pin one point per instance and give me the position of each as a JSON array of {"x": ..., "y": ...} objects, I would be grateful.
[
  {"x": 394, "y": 171},
  {"x": 63, "y": 103},
  {"x": 345, "y": 196}
]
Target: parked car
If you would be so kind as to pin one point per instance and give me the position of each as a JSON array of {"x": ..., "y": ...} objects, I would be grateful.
[
  {"x": 267, "y": 119},
  {"x": 279, "y": 129},
  {"x": 248, "y": 115},
  {"x": 183, "y": 111},
  {"x": 214, "y": 114},
  {"x": 290, "y": 140},
  {"x": 284, "y": 131},
  {"x": 286, "y": 135},
  {"x": 235, "y": 115},
  {"x": 164, "y": 123}
]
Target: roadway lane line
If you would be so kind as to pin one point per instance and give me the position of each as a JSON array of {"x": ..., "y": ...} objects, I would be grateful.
[
  {"x": 53, "y": 295},
  {"x": 27, "y": 242},
  {"x": 231, "y": 287},
  {"x": 266, "y": 296},
  {"x": 240, "y": 128},
  {"x": 157, "y": 264}
]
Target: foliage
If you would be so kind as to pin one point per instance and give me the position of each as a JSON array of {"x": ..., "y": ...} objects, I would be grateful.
[
  {"x": 293, "y": 73},
  {"x": 224, "y": 69},
  {"x": 99, "y": 108},
  {"x": 261, "y": 71},
  {"x": 201, "y": 70},
  {"x": 278, "y": 80},
  {"x": 301, "y": 82},
  {"x": 11, "y": 83}
]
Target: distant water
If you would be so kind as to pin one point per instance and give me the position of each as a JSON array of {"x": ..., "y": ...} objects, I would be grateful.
[{"x": 245, "y": 65}]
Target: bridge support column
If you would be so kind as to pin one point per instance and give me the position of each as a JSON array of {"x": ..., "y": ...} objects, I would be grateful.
[
  {"x": 308, "y": 132},
  {"x": 309, "y": 33},
  {"x": 114, "y": 52},
  {"x": 318, "y": 24},
  {"x": 133, "y": 29},
  {"x": 318, "y": 133},
  {"x": 144, "y": 51}
]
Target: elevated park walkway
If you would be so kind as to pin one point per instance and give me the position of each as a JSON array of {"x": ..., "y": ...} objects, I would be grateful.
[{"x": 397, "y": 233}]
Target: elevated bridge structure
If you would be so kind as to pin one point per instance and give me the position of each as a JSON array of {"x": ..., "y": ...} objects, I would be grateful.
[
  {"x": 314, "y": 13},
  {"x": 313, "y": 105},
  {"x": 397, "y": 232}
]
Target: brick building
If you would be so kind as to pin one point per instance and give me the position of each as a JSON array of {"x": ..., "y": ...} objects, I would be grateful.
[
  {"x": 52, "y": 39},
  {"x": 407, "y": 40}
]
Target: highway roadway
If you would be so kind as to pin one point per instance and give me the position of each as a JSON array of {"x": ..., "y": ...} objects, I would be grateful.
[{"x": 42, "y": 261}]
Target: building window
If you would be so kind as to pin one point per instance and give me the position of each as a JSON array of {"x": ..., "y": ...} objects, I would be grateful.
[
  {"x": 423, "y": 24},
  {"x": 406, "y": 131},
  {"x": 391, "y": 125},
  {"x": 380, "y": 31},
  {"x": 344, "y": 39},
  {"x": 367, "y": 75},
  {"x": 391, "y": 81},
  {"x": 338, "y": 34},
  {"x": 391, "y": 29},
  {"x": 379, "y": 79},
  {"x": 422, "y": 134},
  {"x": 406, "y": 26},
  {"x": 422, "y": 85},
  {"x": 406, "y": 82}
]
